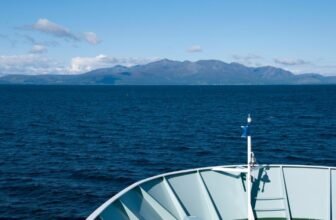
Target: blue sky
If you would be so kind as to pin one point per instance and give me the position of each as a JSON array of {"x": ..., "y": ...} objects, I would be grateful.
[{"x": 72, "y": 36}]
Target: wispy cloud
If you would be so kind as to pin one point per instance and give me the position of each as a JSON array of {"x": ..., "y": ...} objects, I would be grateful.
[
  {"x": 321, "y": 68},
  {"x": 195, "y": 49},
  {"x": 33, "y": 41},
  {"x": 46, "y": 26},
  {"x": 91, "y": 38},
  {"x": 290, "y": 62},
  {"x": 38, "y": 48},
  {"x": 83, "y": 64},
  {"x": 246, "y": 57},
  {"x": 36, "y": 63},
  {"x": 28, "y": 64},
  {"x": 249, "y": 59},
  {"x": 300, "y": 65},
  {"x": 10, "y": 40}
]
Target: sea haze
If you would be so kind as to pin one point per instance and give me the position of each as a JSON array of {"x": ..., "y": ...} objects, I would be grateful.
[
  {"x": 67, "y": 149},
  {"x": 169, "y": 72}
]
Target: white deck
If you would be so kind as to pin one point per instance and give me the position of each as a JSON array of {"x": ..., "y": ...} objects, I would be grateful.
[{"x": 278, "y": 191}]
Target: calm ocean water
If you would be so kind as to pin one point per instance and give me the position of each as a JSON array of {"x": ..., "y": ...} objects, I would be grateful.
[{"x": 64, "y": 150}]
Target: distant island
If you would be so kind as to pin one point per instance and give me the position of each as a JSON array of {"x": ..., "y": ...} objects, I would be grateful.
[{"x": 169, "y": 72}]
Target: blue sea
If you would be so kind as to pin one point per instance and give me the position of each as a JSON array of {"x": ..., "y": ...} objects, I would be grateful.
[{"x": 64, "y": 150}]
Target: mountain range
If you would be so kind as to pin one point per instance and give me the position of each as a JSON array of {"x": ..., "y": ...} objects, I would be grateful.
[{"x": 169, "y": 72}]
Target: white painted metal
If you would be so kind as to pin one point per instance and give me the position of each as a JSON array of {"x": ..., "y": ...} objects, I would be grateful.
[
  {"x": 227, "y": 190},
  {"x": 230, "y": 170},
  {"x": 207, "y": 196},
  {"x": 284, "y": 191},
  {"x": 181, "y": 213},
  {"x": 330, "y": 194},
  {"x": 162, "y": 212},
  {"x": 250, "y": 215}
]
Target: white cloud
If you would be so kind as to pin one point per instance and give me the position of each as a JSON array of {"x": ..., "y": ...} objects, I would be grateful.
[
  {"x": 249, "y": 59},
  {"x": 195, "y": 49},
  {"x": 299, "y": 66},
  {"x": 246, "y": 57},
  {"x": 290, "y": 62},
  {"x": 38, "y": 48},
  {"x": 83, "y": 64},
  {"x": 48, "y": 27},
  {"x": 91, "y": 38},
  {"x": 35, "y": 63},
  {"x": 28, "y": 64},
  {"x": 324, "y": 69}
]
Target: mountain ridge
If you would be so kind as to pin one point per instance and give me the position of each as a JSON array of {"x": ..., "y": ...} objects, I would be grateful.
[{"x": 170, "y": 72}]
